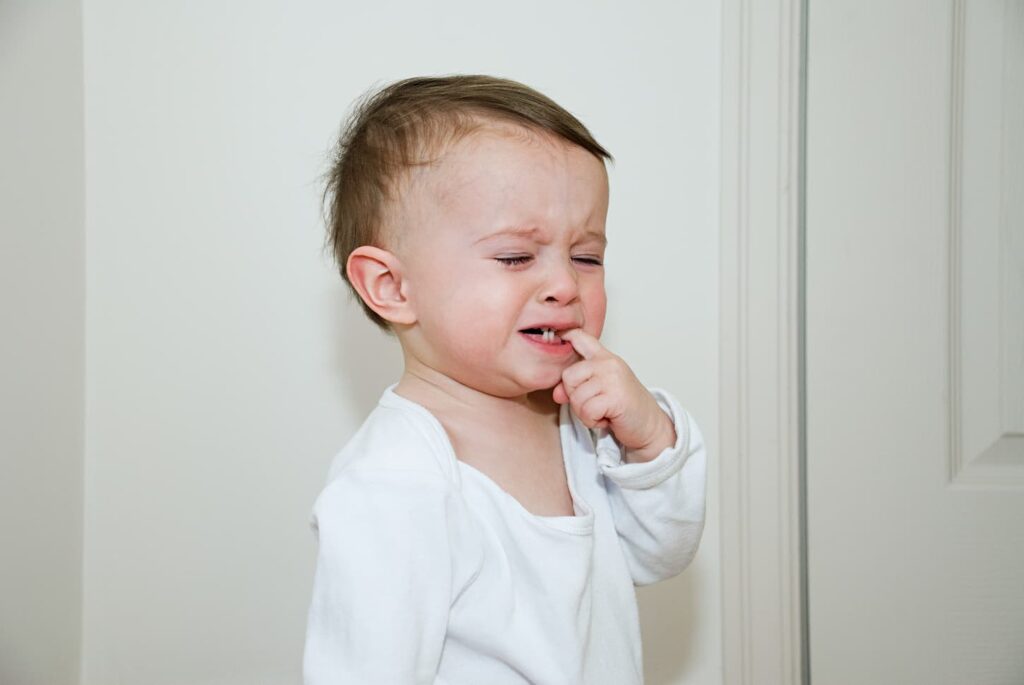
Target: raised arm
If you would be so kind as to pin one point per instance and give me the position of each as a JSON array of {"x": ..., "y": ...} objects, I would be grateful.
[{"x": 658, "y": 505}]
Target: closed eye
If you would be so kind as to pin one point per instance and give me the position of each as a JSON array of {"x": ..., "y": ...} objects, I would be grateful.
[{"x": 522, "y": 259}]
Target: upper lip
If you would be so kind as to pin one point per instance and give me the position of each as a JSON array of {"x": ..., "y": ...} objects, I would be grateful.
[{"x": 558, "y": 326}]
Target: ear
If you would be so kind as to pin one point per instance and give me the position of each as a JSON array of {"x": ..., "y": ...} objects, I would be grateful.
[{"x": 376, "y": 275}]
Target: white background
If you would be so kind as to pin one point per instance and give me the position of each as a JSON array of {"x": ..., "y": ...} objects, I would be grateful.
[{"x": 175, "y": 390}]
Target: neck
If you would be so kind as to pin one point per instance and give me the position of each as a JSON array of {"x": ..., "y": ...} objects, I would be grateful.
[{"x": 439, "y": 392}]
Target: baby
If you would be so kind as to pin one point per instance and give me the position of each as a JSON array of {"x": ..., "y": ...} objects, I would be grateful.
[{"x": 487, "y": 523}]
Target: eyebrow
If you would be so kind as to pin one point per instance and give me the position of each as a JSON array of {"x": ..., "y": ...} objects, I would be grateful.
[{"x": 530, "y": 232}]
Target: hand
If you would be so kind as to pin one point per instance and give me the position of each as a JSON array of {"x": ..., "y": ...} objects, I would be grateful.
[{"x": 604, "y": 393}]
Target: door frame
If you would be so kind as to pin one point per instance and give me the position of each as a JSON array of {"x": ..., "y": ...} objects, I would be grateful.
[{"x": 762, "y": 488}]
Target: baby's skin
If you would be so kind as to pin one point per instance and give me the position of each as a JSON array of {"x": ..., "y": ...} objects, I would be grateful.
[
  {"x": 496, "y": 293},
  {"x": 605, "y": 393}
]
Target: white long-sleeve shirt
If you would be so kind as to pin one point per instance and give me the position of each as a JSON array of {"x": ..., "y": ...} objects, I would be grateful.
[{"x": 429, "y": 572}]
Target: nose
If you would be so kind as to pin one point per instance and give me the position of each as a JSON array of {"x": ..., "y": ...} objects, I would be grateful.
[{"x": 561, "y": 282}]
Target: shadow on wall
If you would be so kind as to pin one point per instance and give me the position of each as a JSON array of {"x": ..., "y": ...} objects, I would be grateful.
[{"x": 365, "y": 360}]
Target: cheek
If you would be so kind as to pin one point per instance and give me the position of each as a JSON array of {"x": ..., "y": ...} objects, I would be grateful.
[
  {"x": 596, "y": 304},
  {"x": 473, "y": 320}
]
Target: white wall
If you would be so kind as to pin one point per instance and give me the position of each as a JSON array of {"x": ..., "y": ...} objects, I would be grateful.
[
  {"x": 226, "y": 364},
  {"x": 42, "y": 273}
]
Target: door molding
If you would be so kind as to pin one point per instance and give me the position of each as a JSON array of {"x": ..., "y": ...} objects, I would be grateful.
[{"x": 761, "y": 485}]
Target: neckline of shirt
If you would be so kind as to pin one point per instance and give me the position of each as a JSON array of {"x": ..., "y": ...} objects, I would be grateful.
[{"x": 581, "y": 524}]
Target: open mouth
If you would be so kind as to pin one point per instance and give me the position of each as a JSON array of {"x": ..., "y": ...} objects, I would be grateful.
[{"x": 544, "y": 335}]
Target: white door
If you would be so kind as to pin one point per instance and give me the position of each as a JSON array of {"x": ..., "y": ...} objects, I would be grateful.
[{"x": 915, "y": 342}]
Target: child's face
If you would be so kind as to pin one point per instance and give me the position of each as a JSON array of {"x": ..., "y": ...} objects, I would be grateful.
[{"x": 471, "y": 302}]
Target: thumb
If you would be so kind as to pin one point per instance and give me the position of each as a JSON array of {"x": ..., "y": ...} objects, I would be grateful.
[{"x": 559, "y": 394}]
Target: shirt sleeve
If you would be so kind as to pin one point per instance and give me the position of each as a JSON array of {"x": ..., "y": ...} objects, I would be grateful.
[
  {"x": 658, "y": 506},
  {"x": 382, "y": 587}
]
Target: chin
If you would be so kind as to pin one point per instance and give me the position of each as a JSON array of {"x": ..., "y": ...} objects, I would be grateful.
[{"x": 543, "y": 382}]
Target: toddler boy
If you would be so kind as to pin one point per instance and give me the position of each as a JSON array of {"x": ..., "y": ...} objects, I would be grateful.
[{"x": 487, "y": 523}]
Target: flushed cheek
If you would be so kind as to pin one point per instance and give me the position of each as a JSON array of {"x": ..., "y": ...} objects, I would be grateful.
[
  {"x": 473, "y": 326},
  {"x": 594, "y": 311}
]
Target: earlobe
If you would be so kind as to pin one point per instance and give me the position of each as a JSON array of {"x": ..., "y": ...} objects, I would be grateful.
[{"x": 376, "y": 275}]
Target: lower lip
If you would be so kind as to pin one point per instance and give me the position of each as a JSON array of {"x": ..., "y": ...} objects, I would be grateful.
[{"x": 554, "y": 349}]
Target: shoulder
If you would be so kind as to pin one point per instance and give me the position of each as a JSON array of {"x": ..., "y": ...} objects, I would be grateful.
[
  {"x": 400, "y": 439},
  {"x": 395, "y": 460}
]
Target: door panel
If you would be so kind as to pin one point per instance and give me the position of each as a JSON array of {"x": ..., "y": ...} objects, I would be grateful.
[{"x": 915, "y": 342}]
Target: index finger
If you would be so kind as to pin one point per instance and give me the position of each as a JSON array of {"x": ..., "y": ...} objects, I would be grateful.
[{"x": 586, "y": 345}]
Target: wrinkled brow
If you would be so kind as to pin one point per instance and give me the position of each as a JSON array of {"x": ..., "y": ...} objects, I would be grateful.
[{"x": 532, "y": 232}]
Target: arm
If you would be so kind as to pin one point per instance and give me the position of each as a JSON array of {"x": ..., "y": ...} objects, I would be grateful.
[
  {"x": 658, "y": 505},
  {"x": 382, "y": 588},
  {"x": 654, "y": 467}
]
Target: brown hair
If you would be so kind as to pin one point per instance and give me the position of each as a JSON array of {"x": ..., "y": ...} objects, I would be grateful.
[{"x": 398, "y": 127}]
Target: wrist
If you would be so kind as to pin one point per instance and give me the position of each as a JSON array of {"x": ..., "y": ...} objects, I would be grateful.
[{"x": 665, "y": 437}]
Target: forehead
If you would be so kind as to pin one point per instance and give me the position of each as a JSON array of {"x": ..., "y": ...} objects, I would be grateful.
[
  {"x": 506, "y": 175},
  {"x": 511, "y": 154}
]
